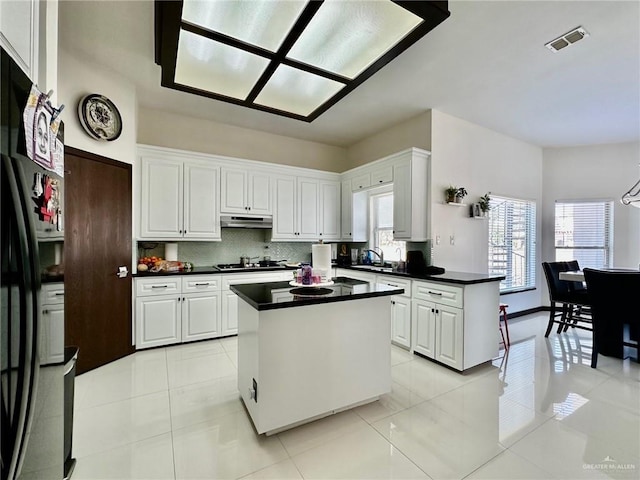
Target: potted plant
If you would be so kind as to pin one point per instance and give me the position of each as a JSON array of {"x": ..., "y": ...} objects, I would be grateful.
[
  {"x": 460, "y": 194},
  {"x": 451, "y": 192},
  {"x": 484, "y": 203}
]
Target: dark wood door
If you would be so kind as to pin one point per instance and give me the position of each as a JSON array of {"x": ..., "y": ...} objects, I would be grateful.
[{"x": 97, "y": 242}]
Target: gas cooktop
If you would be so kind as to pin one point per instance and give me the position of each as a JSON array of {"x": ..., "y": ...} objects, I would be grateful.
[{"x": 252, "y": 266}]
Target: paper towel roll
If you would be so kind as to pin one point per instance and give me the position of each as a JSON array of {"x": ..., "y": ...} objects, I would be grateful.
[
  {"x": 321, "y": 259},
  {"x": 171, "y": 251}
]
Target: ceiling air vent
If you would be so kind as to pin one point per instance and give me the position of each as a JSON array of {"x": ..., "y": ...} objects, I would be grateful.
[{"x": 567, "y": 39}]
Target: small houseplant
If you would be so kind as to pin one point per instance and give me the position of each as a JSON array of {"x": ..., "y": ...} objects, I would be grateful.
[
  {"x": 460, "y": 194},
  {"x": 484, "y": 203},
  {"x": 450, "y": 193}
]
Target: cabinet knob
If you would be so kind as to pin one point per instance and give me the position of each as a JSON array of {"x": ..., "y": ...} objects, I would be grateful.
[
  {"x": 248, "y": 208},
  {"x": 320, "y": 234},
  {"x": 379, "y": 181}
]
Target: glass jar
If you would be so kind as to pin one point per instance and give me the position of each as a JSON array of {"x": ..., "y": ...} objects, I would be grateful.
[{"x": 307, "y": 273}]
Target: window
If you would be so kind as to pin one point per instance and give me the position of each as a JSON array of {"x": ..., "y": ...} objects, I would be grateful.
[
  {"x": 512, "y": 242},
  {"x": 382, "y": 228},
  {"x": 584, "y": 232}
]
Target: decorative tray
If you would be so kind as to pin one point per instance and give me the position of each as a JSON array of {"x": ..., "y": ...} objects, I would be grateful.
[{"x": 293, "y": 283}]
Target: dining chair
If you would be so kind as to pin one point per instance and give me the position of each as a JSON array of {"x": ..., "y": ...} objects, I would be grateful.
[
  {"x": 569, "y": 300},
  {"x": 615, "y": 312}
]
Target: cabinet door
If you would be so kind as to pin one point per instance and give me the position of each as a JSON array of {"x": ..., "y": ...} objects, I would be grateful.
[
  {"x": 346, "y": 206},
  {"x": 200, "y": 316},
  {"x": 308, "y": 203},
  {"x": 329, "y": 210},
  {"x": 449, "y": 336},
  {"x": 424, "y": 331},
  {"x": 259, "y": 193},
  {"x": 52, "y": 334},
  {"x": 401, "y": 321},
  {"x": 162, "y": 199},
  {"x": 402, "y": 201},
  {"x": 229, "y": 313},
  {"x": 284, "y": 213},
  {"x": 361, "y": 181},
  {"x": 201, "y": 218},
  {"x": 19, "y": 24},
  {"x": 234, "y": 191},
  {"x": 157, "y": 321}
]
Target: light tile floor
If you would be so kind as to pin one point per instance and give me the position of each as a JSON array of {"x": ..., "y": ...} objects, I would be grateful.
[{"x": 539, "y": 412}]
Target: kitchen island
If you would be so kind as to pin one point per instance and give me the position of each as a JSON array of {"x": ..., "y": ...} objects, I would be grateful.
[{"x": 302, "y": 356}]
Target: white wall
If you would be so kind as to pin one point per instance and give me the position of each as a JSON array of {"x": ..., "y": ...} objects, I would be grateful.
[
  {"x": 415, "y": 132},
  {"x": 166, "y": 129},
  {"x": 481, "y": 160},
  {"x": 594, "y": 172},
  {"x": 78, "y": 77}
]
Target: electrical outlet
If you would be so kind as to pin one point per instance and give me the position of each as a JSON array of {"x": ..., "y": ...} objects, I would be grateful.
[
  {"x": 437, "y": 239},
  {"x": 452, "y": 240}
]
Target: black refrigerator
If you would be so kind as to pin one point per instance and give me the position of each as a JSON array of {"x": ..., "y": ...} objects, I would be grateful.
[{"x": 32, "y": 396}]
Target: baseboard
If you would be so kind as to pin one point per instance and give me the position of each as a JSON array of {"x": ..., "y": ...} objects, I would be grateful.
[{"x": 528, "y": 311}]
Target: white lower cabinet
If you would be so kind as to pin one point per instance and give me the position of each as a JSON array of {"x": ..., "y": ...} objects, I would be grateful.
[
  {"x": 455, "y": 325},
  {"x": 200, "y": 316},
  {"x": 400, "y": 310},
  {"x": 52, "y": 331},
  {"x": 176, "y": 309},
  {"x": 230, "y": 299},
  {"x": 158, "y": 321}
]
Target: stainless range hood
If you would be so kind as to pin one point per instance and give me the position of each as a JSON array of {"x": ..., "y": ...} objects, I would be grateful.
[{"x": 229, "y": 221}]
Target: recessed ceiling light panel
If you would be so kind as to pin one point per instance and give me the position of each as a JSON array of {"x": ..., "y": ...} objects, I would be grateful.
[
  {"x": 294, "y": 58},
  {"x": 567, "y": 39},
  {"x": 346, "y": 37},
  {"x": 258, "y": 22},
  {"x": 212, "y": 66},
  {"x": 293, "y": 90}
]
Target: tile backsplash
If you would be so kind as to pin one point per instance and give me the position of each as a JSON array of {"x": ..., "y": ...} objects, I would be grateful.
[
  {"x": 238, "y": 242},
  {"x": 235, "y": 242}
]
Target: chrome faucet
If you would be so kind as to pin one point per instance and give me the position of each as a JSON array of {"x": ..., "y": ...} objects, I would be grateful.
[{"x": 380, "y": 255}]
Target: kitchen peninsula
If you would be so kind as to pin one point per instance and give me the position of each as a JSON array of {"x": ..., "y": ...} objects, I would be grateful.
[{"x": 304, "y": 356}]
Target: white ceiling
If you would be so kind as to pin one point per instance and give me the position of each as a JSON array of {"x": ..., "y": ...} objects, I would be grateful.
[{"x": 486, "y": 64}]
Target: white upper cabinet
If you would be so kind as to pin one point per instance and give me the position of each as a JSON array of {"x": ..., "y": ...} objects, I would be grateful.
[
  {"x": 329, "y": 210},
  {"x": 308, "y": 202},
  {"x": 245, "y": 192},
  {"x": 179, "y": 200},
  {"x": 411, "y": 196},
  {"x": 285, "y": 223},
  {"x": 201, "y": 219},
  {"x": 306, "y": 209},
  {"x": 162, "y": 199},
  {"x": 346, "y": 210},
  {"x": 19, "y": 25}
]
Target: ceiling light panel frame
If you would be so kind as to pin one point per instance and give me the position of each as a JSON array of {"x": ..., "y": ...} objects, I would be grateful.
[{"x": 169, "y": 24}]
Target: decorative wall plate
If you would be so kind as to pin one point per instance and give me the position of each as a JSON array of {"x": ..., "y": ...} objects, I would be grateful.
[{"x": 99, "y": 117}]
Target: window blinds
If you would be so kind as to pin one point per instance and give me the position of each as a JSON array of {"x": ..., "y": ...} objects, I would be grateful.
[
  {"x": 584, "y": 232},
  {"x": 512, "y": 239}
]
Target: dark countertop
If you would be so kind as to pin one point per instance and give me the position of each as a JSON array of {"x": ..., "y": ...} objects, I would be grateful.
[
  {"x": 210, "y": 270},
  {"x": 463, "y": 278},
  {"x": 273, "y": 295}
]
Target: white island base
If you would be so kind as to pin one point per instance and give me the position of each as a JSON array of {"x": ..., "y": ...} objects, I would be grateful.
[{"x": 311, "y": 361}]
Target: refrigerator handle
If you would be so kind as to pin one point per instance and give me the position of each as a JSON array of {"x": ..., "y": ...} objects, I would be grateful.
[{"x": 30, "y": 286}]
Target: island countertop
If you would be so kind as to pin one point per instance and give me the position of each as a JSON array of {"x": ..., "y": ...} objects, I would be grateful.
[{"x": 273, "y": 295}]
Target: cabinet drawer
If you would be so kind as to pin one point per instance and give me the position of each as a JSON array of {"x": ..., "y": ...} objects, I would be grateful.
[
  {"x": 52, "y": 293},
  {"x": 382, "y": 175},
  {"x": 438, "y": 293},
  {"x": 360, "y": 182},
  {"x": 201, "y": 283},
  {"x": 242, "y": 278},
  {"x": 157, "y": 286},
  {"x": 396, "y": 282}
]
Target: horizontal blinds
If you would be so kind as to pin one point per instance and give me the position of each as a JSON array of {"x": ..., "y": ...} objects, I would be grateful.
[
  {"x": 512, "y": 237},
  {"x": 584, "y": 232}
]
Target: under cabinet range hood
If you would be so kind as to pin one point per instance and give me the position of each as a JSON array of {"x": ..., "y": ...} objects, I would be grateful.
[{"x": 229, "y": 221}]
